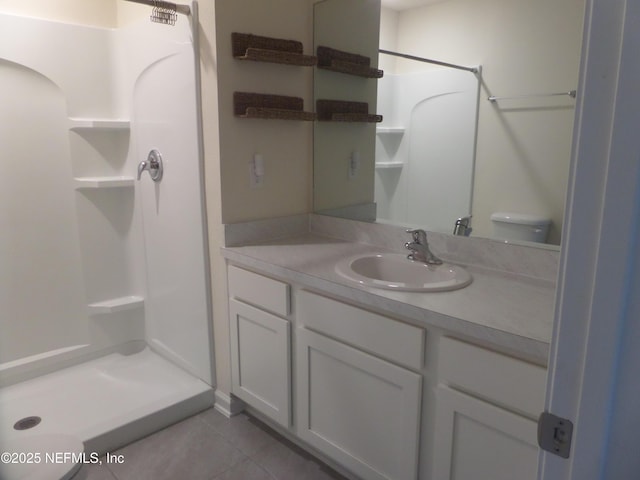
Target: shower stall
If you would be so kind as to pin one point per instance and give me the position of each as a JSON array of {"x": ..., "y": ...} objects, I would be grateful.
[
  {"x": 105, "y": 329},
  {"x": 425, "y": 146}
]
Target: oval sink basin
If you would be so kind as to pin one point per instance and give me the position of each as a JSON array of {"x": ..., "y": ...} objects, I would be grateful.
[{"x": 394, "y": 271}]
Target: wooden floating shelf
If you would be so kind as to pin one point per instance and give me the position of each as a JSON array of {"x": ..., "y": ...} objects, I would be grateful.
[
  {"x": 272, "y": 107},
  {"x": 115, "y": 305},
  {"x": 345, "y": 62},
  {"x": 98, "y": 124},
  {"x": 246, "y": 46},
  {"x": 343, "y": 111},
  {"x": 356, "y": 117},
  {"x": 103, "y": 182}
]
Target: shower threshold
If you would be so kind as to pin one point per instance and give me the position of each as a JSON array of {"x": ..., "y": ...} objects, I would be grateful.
[{"x": 107, "y": 402}]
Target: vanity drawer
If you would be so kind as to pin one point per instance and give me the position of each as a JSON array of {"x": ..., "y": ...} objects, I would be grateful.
[
  {"x": 258, "y": 290},
  {"x": 380, "y": 335},
  {"x": 505, "y": 380}
]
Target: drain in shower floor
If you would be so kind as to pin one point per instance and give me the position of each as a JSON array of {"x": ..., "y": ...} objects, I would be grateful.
[{"x": 26, "y": 423}]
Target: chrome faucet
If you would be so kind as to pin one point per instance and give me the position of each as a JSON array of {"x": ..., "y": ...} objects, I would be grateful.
[
  {"x": 153, "y": 164},
  {"x": 463, "y": 226},
  {"x": 419, "y": 248}
]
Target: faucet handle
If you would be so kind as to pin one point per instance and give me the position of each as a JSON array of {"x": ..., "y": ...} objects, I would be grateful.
[
  {"x": 153, "y": 164},
  {"x": 462, "y": 226},
  {"x": 419, "y": 235},
  {"x": 142, "y": 166},
  {"x": 464, "y": 221}
]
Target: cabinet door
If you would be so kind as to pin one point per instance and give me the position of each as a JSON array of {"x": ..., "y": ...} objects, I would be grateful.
[
  {"x": 476, "y": 440},
  {"x": 359, "y": 410},
  {"x": 260, "y": 360}
]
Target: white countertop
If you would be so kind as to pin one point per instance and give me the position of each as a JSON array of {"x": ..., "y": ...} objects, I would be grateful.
[{"x": 509, "y": 311}]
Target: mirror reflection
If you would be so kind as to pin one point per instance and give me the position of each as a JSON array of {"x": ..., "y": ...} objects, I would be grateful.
[
  {"x": 425, "y": 147},
  {"x": 516, "y": 149}
]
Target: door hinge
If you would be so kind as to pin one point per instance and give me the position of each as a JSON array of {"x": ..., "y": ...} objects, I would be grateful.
[{"x": 554, "y": 434}]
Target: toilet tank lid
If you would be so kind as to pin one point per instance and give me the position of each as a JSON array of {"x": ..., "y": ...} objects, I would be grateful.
[{"x": 520, "y": 218}]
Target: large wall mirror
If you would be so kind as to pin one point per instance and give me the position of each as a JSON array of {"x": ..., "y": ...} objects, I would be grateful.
[{"x": 443, "y": 149}]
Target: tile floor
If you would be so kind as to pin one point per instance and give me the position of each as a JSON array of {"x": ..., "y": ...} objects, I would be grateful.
[{"x": 209, "y": 446}]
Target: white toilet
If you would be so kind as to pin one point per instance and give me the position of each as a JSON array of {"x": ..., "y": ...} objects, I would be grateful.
[
  {"x": 520, "y": 227},
  {"x": 44, "y": 457}
]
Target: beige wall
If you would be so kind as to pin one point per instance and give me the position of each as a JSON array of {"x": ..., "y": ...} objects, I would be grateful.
[
  {"x": 285, "y": 145},
  {"x": 210, "y": 124},
  {"x": 336, "y": 142},
  {"x": 231, "y": 142},
  {"x": 99, "y": 13},
  {"x": 388, "y": 39},
  {"x": 524, "y": 47}
]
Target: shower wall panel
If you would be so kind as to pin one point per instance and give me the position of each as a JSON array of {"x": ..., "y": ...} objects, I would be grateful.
[
  {"x": 438, "y": 111},
  {"x": 390, "y": 185},
  {"x": 61, "y": 247},
  {"x": 41, "y": 288},
  {"x": 161, "y": 69},
  {"x": 91, "y": 260}
]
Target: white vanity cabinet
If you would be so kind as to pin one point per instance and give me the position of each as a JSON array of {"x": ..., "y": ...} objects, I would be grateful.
[
  {"x": 356, "y": 401},
  {"x": 260, "y": 343},
  {"x": 485, "y": 414},
  {"x": 353, "y": 386}
]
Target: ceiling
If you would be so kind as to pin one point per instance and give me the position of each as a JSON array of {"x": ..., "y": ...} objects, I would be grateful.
[{"x": 406, "y": 4}]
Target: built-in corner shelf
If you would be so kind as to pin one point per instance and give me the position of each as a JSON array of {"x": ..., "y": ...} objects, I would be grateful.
[
  {"x": 115, "y": 305},
  {"x": 390, "y": 130},
  {"x": 389, "y": 165},
  {"x": 246, "y": 46},
  {"x": 102, "y": 182},
  {"x": 345, "y": 62},
  {"x": 344, "y": 111},
  {"x": 98, "y": 124},
  {"x": 272, "y": 107}
]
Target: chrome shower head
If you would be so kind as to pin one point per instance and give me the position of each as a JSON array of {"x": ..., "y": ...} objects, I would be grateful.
[{"x": 164, "y": 12}]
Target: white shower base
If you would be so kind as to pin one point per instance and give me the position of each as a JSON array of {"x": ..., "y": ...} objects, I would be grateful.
[{"x": 107, "y": 402}]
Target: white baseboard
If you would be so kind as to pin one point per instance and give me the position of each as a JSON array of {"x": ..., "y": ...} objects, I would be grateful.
[{"x": 227, "y": 405}]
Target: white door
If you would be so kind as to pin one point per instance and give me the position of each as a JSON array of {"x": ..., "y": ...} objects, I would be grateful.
[{"x": 596, "y": 339}]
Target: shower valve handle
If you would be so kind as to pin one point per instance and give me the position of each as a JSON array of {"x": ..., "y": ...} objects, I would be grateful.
[
  {"x": 153, "y": 164},
  {"x": 142, "y": 166}
]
